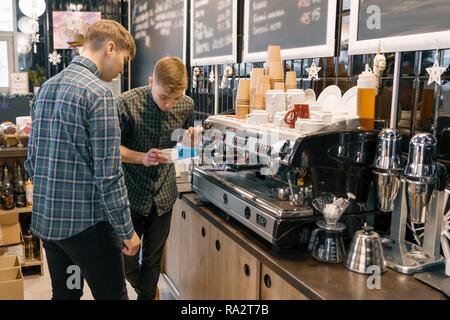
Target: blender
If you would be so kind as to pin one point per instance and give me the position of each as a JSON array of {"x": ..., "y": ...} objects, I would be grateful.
[{"x": 420, "y": 200}]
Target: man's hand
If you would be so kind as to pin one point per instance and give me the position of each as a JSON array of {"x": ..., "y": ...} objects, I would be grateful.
[
  {"x": 153, "y": 158},
  {"x": 192, "y": 136},
  {"x": 132, "y": 246}
]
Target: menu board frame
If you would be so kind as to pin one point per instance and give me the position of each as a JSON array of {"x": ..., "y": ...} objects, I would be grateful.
[
  {"x": 413, "y": 42},
  {"x": 326, "y": 50},
  {"x": 232, "y": 58}
]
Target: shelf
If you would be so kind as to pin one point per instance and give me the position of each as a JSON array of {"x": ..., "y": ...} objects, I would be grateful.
[
  {"x": 32, "y": 263},
  {"x": 13, "y": 152},
  {"x": 18, "y": 210}
]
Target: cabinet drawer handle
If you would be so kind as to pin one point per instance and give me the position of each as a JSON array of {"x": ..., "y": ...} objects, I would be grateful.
[
  {"x": 203, "y": 232},
  {"x": 267, "y": 281},
  {"x": 247, "y": 270},
  {"x": 183, "y": 215},
  {"x": 217, "y": 245}
]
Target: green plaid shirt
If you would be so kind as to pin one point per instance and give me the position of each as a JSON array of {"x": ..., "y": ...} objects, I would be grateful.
[
  {"x": 74, "y": 156},
  {"x": 144, "y": 126}
]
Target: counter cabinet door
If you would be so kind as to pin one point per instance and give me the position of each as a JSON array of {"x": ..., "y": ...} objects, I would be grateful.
[
  {"x": 173, "y": 248},
  {"x": 273, "y": 287},
  {"x": 194, "y": 244},
  {"x": 233, "y": 272}
]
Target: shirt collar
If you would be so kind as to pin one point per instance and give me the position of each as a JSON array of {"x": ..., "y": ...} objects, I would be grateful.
[
  {"x": 87, "y": 63},
  {"x": 151, "y": 100}
]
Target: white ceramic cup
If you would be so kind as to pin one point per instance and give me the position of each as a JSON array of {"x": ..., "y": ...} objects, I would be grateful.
[
  {"x": 278, "y": 120},
  {"x": 311, "y": 125},
  {"x": 171, "y": 154},
  {"x": 259, "y": 116},
  {"x": 275, "y": 97},
  {"x": 325, "y": 116},
  {"x": 315, "y": 107},
  {"x": 295, "y": 96},
  {"x": 273, "y": 109}
]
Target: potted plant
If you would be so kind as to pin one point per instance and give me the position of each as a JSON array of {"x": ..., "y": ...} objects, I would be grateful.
[{"x": 38, "y": 77}]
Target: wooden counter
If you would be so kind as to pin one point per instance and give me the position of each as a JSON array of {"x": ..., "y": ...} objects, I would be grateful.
[{"x": 312, "y": 279}]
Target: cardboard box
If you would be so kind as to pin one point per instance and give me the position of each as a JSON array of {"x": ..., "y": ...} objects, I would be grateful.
[
  {"x": 9, "y": 228},
  {"x": 9, "y": 262},
  {"x": 11, "y": 284},
  {"x": 17, "y": 250}
]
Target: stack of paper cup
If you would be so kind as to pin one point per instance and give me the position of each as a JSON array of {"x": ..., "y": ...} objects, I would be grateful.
[{"x": 243, "y": 98}]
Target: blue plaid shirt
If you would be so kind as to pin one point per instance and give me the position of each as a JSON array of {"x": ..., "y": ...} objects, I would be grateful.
[{"x": 74, "y": 156}]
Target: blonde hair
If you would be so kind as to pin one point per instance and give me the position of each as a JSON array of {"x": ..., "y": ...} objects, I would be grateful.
[
  {"x": 171, "y": 73},
  {"x": 103, "y": 31}
]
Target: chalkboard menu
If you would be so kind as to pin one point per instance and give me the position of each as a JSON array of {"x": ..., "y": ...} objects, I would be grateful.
[
  {"x": 214, "y": 31},
  {"x": 303, "y": 28},
  {"x": 399, "y": 25},
  {"x": 159, "y": 30}
]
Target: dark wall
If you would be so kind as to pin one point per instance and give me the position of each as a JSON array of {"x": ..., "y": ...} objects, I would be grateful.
[{"x": 111, "y": 9}]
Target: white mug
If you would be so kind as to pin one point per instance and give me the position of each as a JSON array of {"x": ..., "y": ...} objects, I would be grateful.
[
  {"x": 315, "y": 107},
  {"x": 325, "y": 116},
  {"x": 275, "y": 97},
  {"x": 273, "y": 109},
  {"x": 295, "y": 96},
  {"x": 310, "y": 125},
  {"x": 171, "y": 154},
  {"x": 278, "y": 120},
  {"x": 258, "y": 116}
]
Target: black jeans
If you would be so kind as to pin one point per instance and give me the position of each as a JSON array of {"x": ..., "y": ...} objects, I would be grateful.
[
  {"x": 153, "y": 231},
  {"x": 97, "y": 252}
]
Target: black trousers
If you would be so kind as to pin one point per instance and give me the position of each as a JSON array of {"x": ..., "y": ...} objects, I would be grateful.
[
  {"x": 143, "y": 275},
  {"x": 95, "y": 255}
]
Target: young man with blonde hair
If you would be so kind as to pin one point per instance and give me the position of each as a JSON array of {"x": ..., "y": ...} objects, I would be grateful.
[
  {"x": 80, "y": 204},
  {"x": 148, "y": 117}
]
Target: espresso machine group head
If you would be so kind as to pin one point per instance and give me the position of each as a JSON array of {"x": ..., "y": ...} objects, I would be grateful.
[
  {"x": 419, "y": 199},
  {"x": 339, "y": 163}
]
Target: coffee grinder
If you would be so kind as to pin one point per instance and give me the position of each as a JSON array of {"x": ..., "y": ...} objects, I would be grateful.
[{"x": 420, "y": 200}]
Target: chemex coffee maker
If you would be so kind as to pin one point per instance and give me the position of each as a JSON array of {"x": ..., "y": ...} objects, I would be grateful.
[{"x": 415, "y": 193}]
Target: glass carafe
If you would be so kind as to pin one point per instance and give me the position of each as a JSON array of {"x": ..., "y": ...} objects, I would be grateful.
[{"x": 328, "y": 245}]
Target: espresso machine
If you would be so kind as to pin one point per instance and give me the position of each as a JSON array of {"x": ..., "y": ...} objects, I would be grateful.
[
  {"x": 266, "y": 177},
  {"x": 415, "y": 193}
]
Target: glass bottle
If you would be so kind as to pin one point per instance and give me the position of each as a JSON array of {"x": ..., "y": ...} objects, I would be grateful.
[
  {"x": 29, "y": 192},
  {"x": 1, "y": 186},
  {"x": 8, "y": 192},
  {"x": 20, "y": 189},
  {"x": 29, "y": 245}
]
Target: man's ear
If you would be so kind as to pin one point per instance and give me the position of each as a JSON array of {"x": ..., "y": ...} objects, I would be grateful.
[
  {"x": 110, "y": 47},
  {"x": 150, "y": 81}
]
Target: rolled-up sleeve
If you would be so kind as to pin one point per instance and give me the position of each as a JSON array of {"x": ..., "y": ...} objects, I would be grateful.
[{"x": 104, "y": 129}]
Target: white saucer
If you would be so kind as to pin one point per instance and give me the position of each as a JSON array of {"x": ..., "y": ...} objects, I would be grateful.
[
  {"x": 330, "y": 98},
  {"x": 349, "y": 101}
]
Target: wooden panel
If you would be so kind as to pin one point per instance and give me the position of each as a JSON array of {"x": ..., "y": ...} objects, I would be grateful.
[
  {"x": 194, "y": 255},
  {"x": 171, "y": 263},
  {"x": 273, "y": 287},
  {"x": 234, "y": 273},
  {"x": 217, "y": 279}
]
